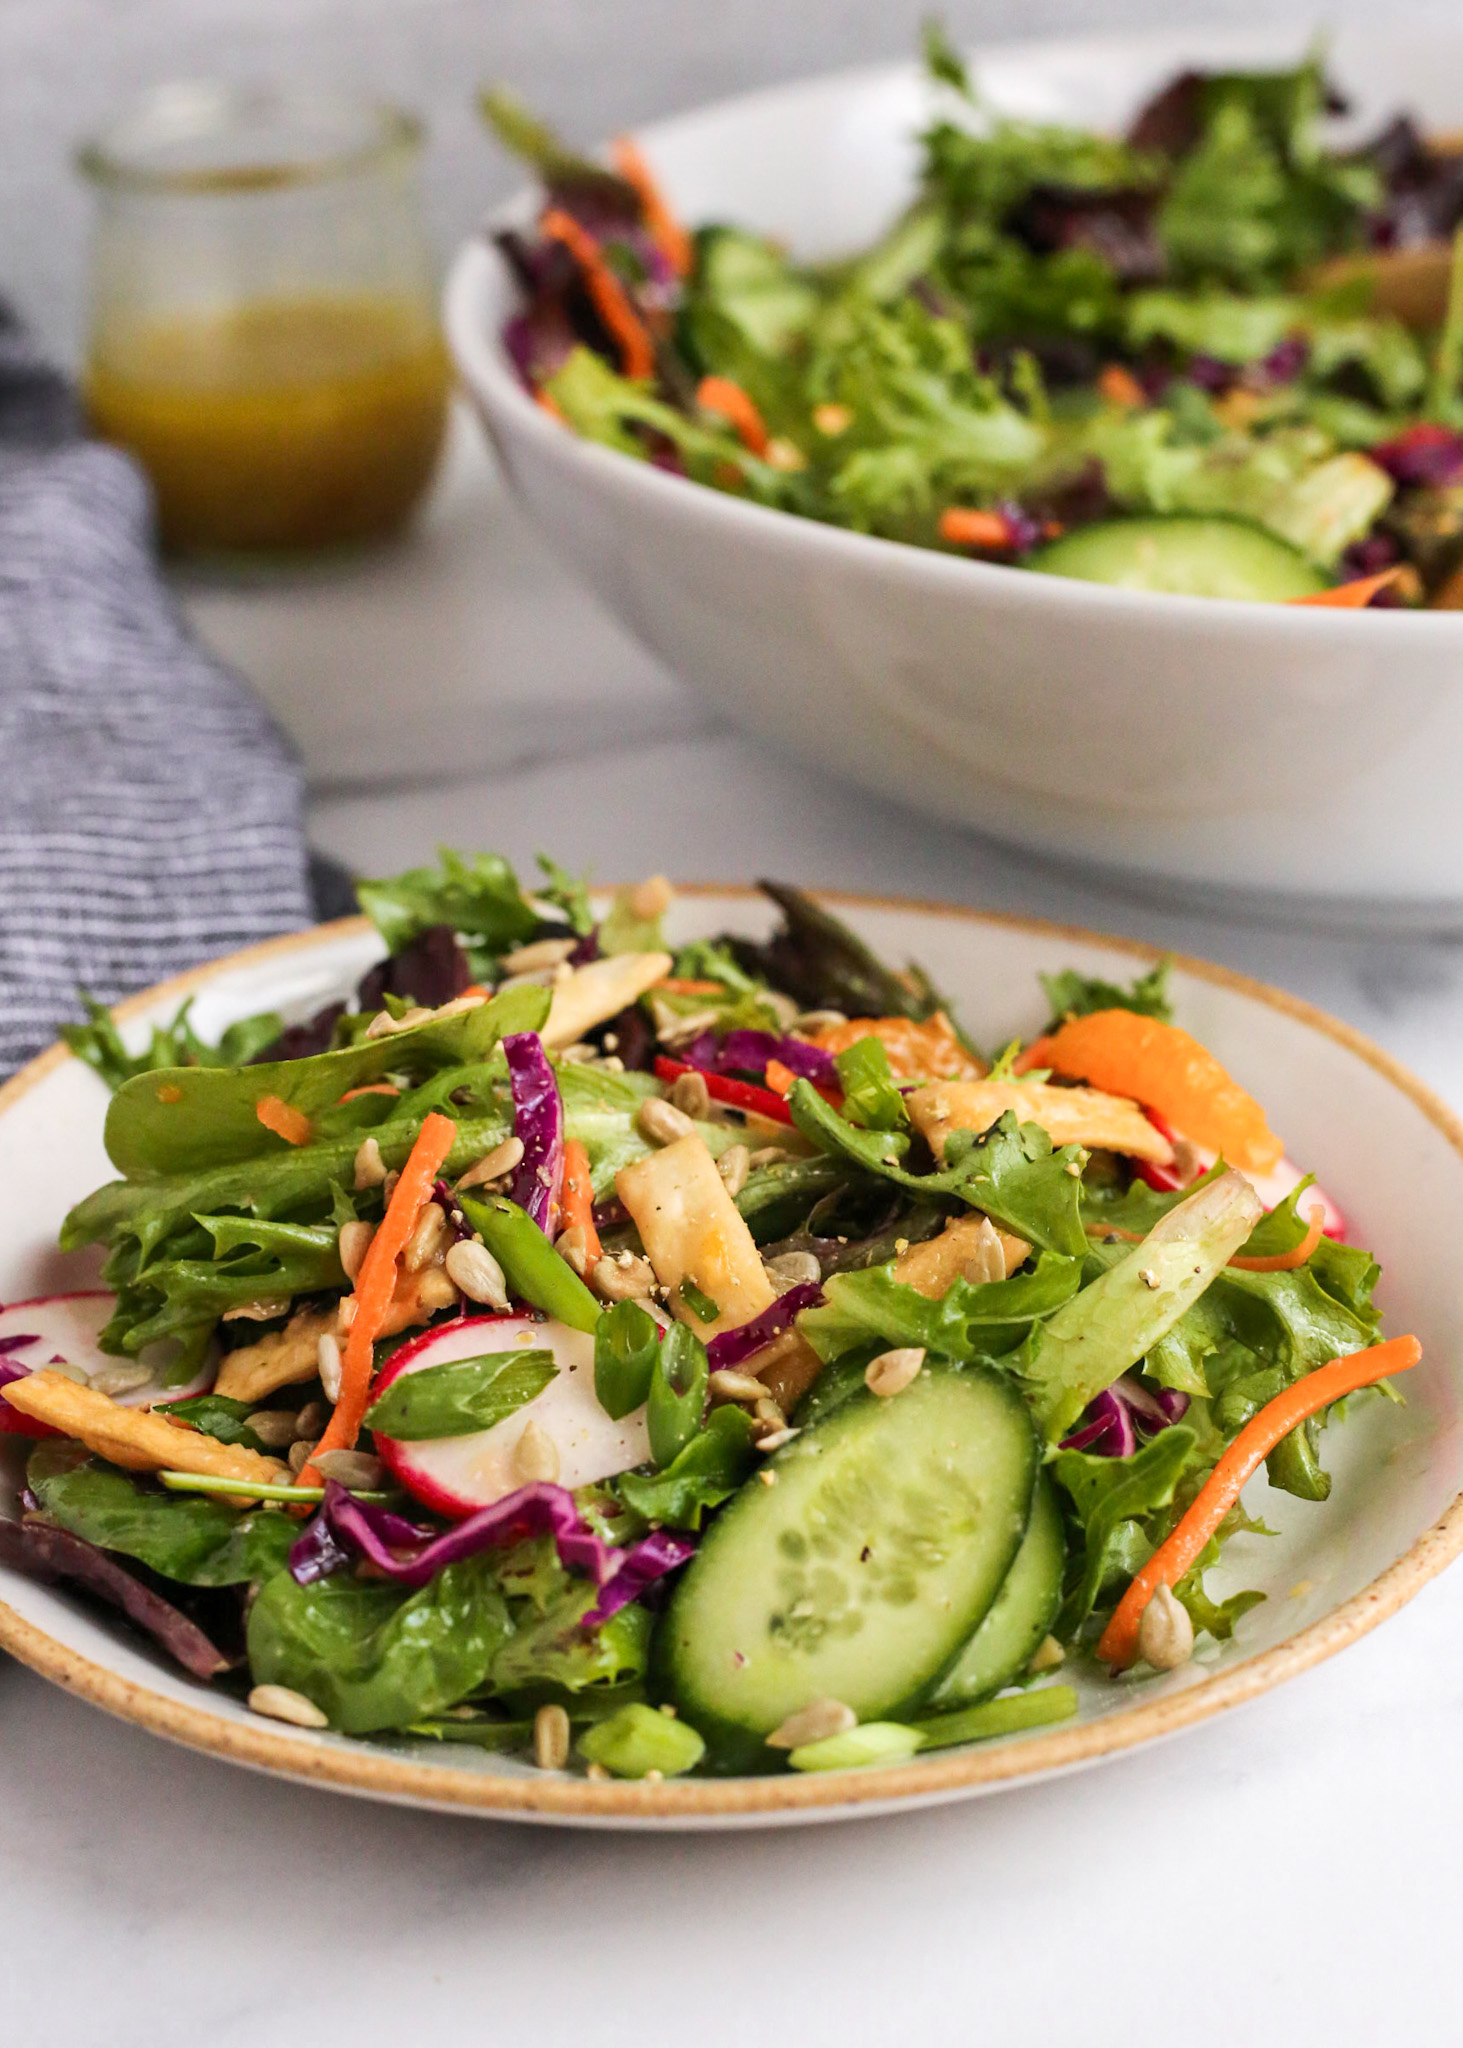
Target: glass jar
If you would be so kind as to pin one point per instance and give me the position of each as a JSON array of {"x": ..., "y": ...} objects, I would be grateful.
[{"x": 263, "y": 328}]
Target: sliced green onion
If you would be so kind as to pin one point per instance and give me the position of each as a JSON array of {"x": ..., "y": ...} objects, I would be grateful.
[
  {"x": 999, "y": 1717},
  {"x": 873, "y": 1742},
  {"x": 638, "y": 1740}
]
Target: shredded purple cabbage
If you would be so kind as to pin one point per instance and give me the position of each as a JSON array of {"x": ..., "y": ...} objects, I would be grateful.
[
  {"x": 399, "y": 1550},
  {"x": 9, "y": 1344},
  {"x": 322, "y": 1547},
  {"x": 644, "y": 1562},
  {"x": 346, "y": 1528},
  {"x": 1112, "y": 1424},
  {"x": 732, "y": 1346},
  {"x": 747, "y": 1052},
  {"x": 538, "y": 1119}
]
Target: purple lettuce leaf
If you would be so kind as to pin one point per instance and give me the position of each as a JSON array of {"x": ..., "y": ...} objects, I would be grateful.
[
  {"x": 44, "y": 1552},
  {"x": 733, "y": 1346},
  {"x": 1427, "y": 455},
  {"x": 538, "y": 1119},
  {"x": 747, "y": 1052}
]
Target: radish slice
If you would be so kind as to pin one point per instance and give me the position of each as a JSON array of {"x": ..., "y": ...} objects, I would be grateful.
[
  {"x": 34, "y": 1334},
  {"x": 456, "y": 1475},
  {"x": 1273, "y": 1187}
]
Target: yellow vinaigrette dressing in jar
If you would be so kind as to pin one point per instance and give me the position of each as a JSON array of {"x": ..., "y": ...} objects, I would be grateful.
[
  {"x": 263, "y": 330},
  {"x": 287, "y": 424}
]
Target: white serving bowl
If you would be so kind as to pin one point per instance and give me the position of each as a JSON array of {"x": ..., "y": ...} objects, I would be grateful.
[{"x": 1288, "y": 758}]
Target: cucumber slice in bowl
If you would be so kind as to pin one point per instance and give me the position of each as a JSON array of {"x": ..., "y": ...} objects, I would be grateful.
[
  {"x": 1184, "y": 554},
  {"x": 1024, "y": 1610},
  {"x": 861, "y": 1572}
]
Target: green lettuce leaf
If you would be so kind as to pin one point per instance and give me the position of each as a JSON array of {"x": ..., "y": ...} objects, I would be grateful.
[
  {"x": 1258, "y": 200},
  {"x": 708, "y": 1471},
  {"x": 226, "y": 1421},
  {"x": 870, "y": 1097},
  {"x": 460, "y": 1396},
  {"x": 480, "y": 899},
  {"x": 1118, "y": 1504},
  {"x": 1010, "y": 1172},
  {"x": 373, "y": 1656},
  {"x": 187, "y": 1537},
  {"x": 964, "y": 1321},
  {"x": 188, "y": 1119},
  {"x": 1080, "y": 995},
  {"x": 99, "y": 1043}
]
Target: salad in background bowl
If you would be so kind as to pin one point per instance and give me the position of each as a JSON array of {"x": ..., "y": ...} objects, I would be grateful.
[
  {"x": 1219, "y": 355},
  {"x": 656, "y": 1358},
  {"x": 1254, "y": 416}
]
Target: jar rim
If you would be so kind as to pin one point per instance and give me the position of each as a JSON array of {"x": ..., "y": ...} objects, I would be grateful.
[{"x": 145, "y": 148}]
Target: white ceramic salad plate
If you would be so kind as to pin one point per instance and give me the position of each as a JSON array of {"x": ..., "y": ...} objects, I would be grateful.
[
  {"x": 1281, "y": 757},
  {"x": 1389, "y": 1151}
]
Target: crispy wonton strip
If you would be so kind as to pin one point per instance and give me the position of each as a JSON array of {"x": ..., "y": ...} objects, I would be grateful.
[
  {"x": 133, "y": 1437},
  {"x": 1069, "y": 1116}
]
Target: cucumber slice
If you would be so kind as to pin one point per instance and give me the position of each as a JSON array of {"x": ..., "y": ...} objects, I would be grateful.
[
  {"x": 1184, "y": 555},
  {"x": 861, "y": 1571},
  {"x": 1025, "y": 1609}
]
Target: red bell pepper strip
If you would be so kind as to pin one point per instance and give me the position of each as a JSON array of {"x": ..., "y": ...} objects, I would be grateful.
[{"x": 721, "y": 1088}]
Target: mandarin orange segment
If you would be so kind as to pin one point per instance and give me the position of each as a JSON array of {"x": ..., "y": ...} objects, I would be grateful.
[
  {"x": 917, "y": 1052},
  {"x": 1165, "y": 1069}
]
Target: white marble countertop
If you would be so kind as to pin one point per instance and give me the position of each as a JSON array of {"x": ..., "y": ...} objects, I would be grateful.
[{"x": 1286, "y": 1877}]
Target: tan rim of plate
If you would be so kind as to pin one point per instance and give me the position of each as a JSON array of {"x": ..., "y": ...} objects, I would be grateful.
[{"x": 364, "y": 1769}]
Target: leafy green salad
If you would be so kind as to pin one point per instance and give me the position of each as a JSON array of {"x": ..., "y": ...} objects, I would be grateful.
[
  {"x": 1220, "y": 355},
  {"x": 655, "y": 1356}
]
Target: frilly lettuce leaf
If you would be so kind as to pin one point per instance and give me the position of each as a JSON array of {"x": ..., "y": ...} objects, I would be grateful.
[
  {"x": 966, "y": 1320},
  {"x": 1118, "y": 1504}
]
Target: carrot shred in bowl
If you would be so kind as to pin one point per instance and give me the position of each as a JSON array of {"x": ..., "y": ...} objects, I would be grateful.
[{"x": 283, "y": 1119}]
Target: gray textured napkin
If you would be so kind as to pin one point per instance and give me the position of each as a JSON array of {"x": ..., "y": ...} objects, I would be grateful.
[{"x": 150, "y": 810}]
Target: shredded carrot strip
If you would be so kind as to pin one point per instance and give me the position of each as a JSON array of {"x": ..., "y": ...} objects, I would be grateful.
[
  {"x": 577, "y": 1199},
  {"x": 721, "y": 396},
  {"x": 964, "y": 527},
  {"x": 1286, "y": 1262},
  {"x": 283, "y": 1119},
  {"x": 780, "y": 1078},
  {"x": 475, "y": 988},
  {"x": 376, "y": 1283},
  {"x": 611, "y": 300},
  {"x": 371, "y": 1088},
  {"x": 1113, "y": 1230},
  {"x": 666, "y": 231},
  {"x": 1176, "y": 1556},
  {"x": 1120, "y": 387},
  {"x": 738, "y": 408},
  {"x": 555, "y": 411},
  {"x": 674, "y": 986},
  {"x": 1353, "y": 596}
]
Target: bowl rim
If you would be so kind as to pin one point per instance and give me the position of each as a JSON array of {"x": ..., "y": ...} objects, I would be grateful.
[
  {"x": 478, "y": 275},
  {"x": 355, "y": 1767}
]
